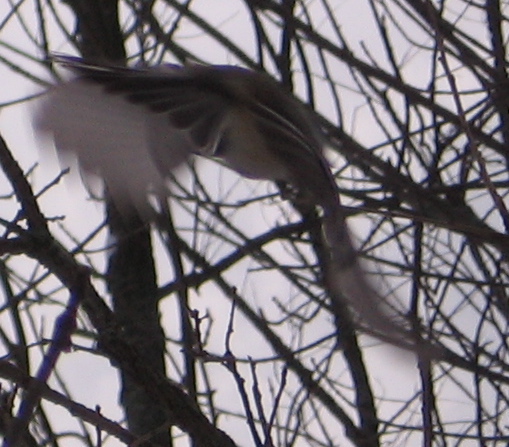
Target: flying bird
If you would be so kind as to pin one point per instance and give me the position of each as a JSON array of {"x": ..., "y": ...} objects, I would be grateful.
[{"x": 134, "y": 126}]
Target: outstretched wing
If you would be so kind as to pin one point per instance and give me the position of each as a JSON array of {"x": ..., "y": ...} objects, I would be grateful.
[
  {"x": 241, "y": 117},
  {"x": 187, "y": 103}
]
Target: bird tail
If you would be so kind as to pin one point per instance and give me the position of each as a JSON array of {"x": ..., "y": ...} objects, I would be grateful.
[{"x": 349, "y": 286}]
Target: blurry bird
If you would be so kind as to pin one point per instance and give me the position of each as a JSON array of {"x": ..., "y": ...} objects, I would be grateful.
[{"x": 134, "y": 126}]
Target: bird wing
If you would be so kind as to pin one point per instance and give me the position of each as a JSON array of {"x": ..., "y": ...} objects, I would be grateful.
[
  {"x": 188, "y": 105},
  {"x": 238, "y": 116}
]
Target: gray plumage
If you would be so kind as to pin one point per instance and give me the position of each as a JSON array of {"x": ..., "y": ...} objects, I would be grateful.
[{"x": 133, "y": 126}]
